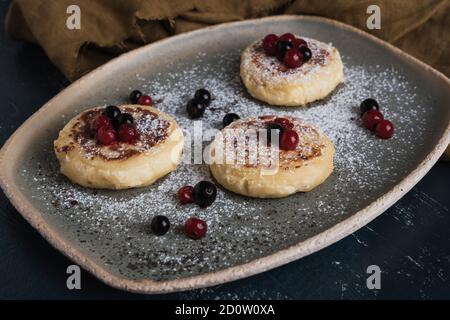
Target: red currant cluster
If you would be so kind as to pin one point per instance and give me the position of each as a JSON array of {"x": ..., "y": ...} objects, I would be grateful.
[
  {"x": 373, "y": 119},
  {"x": 113, "y": 125},
  {"x": 288, "y": 137},
  {"x": 292, "y": 51}
]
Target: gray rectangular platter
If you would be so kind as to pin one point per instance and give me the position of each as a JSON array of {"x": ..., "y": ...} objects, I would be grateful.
[{"x": 107, "y": 231}]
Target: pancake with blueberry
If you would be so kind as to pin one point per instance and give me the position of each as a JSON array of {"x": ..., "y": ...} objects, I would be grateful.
[
  {"x": 290, "y": 71},
  {"x": 271, "y": 157},
  {"x": 119, "y": 147}
]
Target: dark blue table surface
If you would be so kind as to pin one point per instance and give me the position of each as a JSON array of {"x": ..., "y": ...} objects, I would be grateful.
[{"x": 410, "y": 242}]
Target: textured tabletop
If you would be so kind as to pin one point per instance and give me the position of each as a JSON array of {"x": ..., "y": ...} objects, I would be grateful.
[{"x": 410, "y": 242}]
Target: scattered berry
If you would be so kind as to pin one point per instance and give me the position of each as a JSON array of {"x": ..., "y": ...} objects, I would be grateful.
[
  {"x": 293, "y": 58},
  {"x": 229, "y": 118},
  {"x": 368, "y": 104},
  {"x": 195, "y": 228},
  {"x": 128, "y": 133},
  {"x": 371, "y": 118},
  {"x": 384, "y": 129},
  {"x": 205, "y": 193},
  {"x": 289, "y": 139},
  {"x": 134, "y": 96},
  {"x": 289, "y": 37},
  {"x": 106, "y": 135},
  {"x": 285, "y": 123},
  {"x": 186, "y": 194},
  {"x": 145, "y": 100},
  {"x": 160, "y": 225},
  {"x": 270, "y": 43},
  {"x": 282, "y": 48},
  {"x": 203, "y": 96},
  {"x": 299, "y": 43},
  {"x": 195, "y": 108},
  {"x": 306, "y": 54}
]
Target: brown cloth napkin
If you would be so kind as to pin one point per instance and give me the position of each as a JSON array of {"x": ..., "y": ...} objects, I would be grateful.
[{"x": 111, "y": 27}]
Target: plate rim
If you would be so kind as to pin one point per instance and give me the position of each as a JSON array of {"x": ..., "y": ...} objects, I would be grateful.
[{"x": 255, "y": 266}]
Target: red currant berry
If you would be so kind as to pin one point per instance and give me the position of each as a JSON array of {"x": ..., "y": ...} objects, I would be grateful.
[
  {"x": 287, "y": 37},
  {"x": 293, "y": 58},
  {"x": 145, "y": 100},
  {"x": 285, "y": 123},
  {"x": 195, "y": 228},
  {"x": 128, "y": 133},
  {"x": 270, "y": 43},
  {"x": 289, "y": 139},
  {"x": 299, "y": 43},
  {"x": 102, "y": 121},
  {"x": 371, "y": 118},
  {"x": 186, "y": 194},
  {"x": 384, "y": 129},
  {"x": 106, "y": 135}
]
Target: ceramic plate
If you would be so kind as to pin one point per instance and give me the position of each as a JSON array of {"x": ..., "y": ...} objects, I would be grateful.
[{"x": 106, "y": 232}]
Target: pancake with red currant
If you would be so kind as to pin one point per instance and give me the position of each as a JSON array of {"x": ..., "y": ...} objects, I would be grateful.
[
  {"x": 290, "y": 71},
  {"x": 119, "y": 147},
  {"x": 271, "y": 157}
]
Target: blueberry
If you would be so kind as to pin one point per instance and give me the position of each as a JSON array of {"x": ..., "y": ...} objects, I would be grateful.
[
  {"x": 283, "y": 46},
  {"x": 160, "y": 225},
  {"x": 195, "y": 108},
  {"x": 368, "y": 104},
  {"x": 126, "y": 118},
  {"x": 205, "y": 193},
  {"x": 229, "y": 118},
  {"x": 113, "y": 113},
  {"x": 306, "y": 53},
  {"x": 203, "y": 96},
  {"x": 134, "y": 96}
]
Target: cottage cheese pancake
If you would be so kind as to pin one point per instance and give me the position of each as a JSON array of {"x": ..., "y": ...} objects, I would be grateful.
[
  {"x": 88, "y": 160},
  {"x": 264, "y": 170},
  {"x": 270, "y": 80}
]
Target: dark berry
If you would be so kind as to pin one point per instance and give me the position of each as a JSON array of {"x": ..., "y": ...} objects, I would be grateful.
[
  {"x": 368, "y": 104},
  {"x": 134, "y": 96},
  {"x": 287, "y": 37},
  {"x": 145, "y": 100},
  {"x": 270, "y": 44},
  {"x": 195, "y": 228},
  {"x": 229, "y": 118},
  {"x": 285, "y": 123},
  {"x": 299, "y": 43},
  {"x": 384, "y": 129},
  {"x": 195, "y": 108},
  {"x": 128, "y": 133},
  {"x": 293, "y": 58},
  {"x": 289, "y": 139},
  {"x": 160, "y": 225},
  {"x": 203, "y": 96},
  {"x": 106, "y": 135},
  {"x": 205, "y": 193},
  {"x": 274, "y": 130},
  {"x": 282, "y": 48},
  {"x": 102, "y": 121},
  {"x": 113, "y": 113},
  {"x": 126, "y": 118},
  {"x": 186, "y": 194},
  {"x": 371, "y": 118},
  {"x": 306, "y": 54}
]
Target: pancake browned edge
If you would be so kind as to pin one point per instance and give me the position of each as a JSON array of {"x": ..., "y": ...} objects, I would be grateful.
[
  {"x": 121, "y": 165},
  {"x": 267, "y": 171}
]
